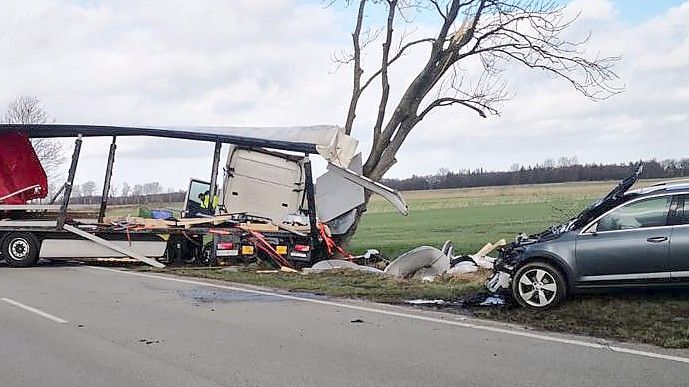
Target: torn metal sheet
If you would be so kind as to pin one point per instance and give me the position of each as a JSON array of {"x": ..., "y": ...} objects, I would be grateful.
[
  {"x": 391, "y": 195},
  {"x": 343, "y": 223},
  {"x": 335, "y": 195},
  {"x": 421, "y": 257}
]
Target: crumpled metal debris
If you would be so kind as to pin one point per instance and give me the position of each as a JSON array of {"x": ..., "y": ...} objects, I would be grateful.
[
  {"x": 430, "y": 259},
  {"x": 424, "y": 263}
]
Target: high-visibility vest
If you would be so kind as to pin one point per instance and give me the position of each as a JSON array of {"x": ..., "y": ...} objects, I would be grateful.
[{"x": 206, "y": 199}]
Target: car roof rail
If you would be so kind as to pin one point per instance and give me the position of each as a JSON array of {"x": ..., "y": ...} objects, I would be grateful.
[{"x": 670, "y": 182}]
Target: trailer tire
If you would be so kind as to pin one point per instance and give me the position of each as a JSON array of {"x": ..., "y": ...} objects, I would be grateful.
[{"x": 20, "y": 249}]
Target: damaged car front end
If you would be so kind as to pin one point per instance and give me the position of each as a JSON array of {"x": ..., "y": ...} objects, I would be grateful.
[{"x": 540, "y": 270}]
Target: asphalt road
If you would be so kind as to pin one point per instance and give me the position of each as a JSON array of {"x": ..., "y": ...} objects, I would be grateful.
[{"x": 81, "y": 326}]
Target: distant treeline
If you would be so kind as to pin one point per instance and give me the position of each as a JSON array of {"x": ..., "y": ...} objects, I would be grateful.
[
  {"x": 566, "y": 169},
  {"x": 172, "y": 197}
]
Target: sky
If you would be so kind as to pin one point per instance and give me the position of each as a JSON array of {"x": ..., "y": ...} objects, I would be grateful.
[{"x": 270, "y": 63}]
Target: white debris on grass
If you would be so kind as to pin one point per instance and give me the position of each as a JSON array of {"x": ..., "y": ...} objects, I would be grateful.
[
  {"x": 334, "y": 264},
  {"x": 432, "y": 260},
  {"x": 463, "y": 268},
  {"x": 426, "y": 302}
]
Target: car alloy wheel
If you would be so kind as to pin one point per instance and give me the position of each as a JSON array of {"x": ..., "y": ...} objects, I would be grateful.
[{"x": 537, "y": 288}]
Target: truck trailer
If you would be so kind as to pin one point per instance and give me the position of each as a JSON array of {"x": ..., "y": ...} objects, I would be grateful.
[{"x": 264, "y": 203}]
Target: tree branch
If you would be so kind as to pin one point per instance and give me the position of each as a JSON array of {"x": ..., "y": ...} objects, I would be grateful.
[
  {"x": 385, "y": 84},
  {"x": 358, "y": 71}
]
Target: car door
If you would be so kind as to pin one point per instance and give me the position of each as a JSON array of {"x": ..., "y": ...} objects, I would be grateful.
[
  {"x": 679, "y": 241},
  {"x": 628, "y": 244}
]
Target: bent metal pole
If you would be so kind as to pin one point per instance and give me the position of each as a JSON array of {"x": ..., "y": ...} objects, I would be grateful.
[
  {"x": 106, "y": 183},
  {"x": 69, "y": 183}
]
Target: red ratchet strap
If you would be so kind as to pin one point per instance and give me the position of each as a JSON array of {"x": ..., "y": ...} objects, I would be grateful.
[{"x": 330, "y": 243}]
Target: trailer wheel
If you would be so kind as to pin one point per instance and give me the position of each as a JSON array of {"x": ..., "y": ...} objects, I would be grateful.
[{"x": 20, "y": 249}]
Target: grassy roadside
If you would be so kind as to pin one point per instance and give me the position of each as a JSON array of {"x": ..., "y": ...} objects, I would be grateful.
[
  {"x": 344, "y": 283},
  {"x": 661, "y": 318}
]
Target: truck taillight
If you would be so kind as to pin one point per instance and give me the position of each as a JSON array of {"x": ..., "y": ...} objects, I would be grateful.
[
  {"x": 225, "y": 245},
  {"x": 302, "y": 248}
]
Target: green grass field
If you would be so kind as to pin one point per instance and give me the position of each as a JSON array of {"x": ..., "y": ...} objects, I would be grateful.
[{"x": 472, "y": 217}]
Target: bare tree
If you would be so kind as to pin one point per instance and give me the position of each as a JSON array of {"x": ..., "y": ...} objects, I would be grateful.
[
  {"x": 152, "y": 188},
  {"x": 126, "y": 189},
  {"x": 113, "y": 190},
  {"x": 88, "y": 188},
  {"x": 30, "y": 110},
  {"x": 494, "y": 35},
  {"x": 76, "y": 191},
  {"x": 138, "y": 190}
]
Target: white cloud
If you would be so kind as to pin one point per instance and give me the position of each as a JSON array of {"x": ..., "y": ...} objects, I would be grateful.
[
  {"x": 593, "y": 9},
  {"x": 268, "y": 63}
]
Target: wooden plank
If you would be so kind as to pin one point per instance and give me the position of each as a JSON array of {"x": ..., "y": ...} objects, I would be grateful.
[
  {"x": 113, "y": 247},
  {"x": 260, "y": 227},
  {"x": 212, "y": 219}
]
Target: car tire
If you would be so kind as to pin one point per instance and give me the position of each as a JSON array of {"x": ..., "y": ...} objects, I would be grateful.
[
  {"x": 539, "y": 286},
  {"x": 20, "y": 249}
]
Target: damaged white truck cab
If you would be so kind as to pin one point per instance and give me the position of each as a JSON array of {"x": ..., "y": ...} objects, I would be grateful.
[{"x": 277, "y": 187}]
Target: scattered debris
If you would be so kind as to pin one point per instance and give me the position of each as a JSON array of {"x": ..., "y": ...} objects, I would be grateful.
[
  {"x": 424, "y": 263},
  {"x": 334, "y": 264},
  {"x": 426, "y": 302},
  {"x": 485, "y": 299},
  {"x": 149, "y": 341},
  {"x": 424, "y": 257},
  {"x": 463, "y": 267}
]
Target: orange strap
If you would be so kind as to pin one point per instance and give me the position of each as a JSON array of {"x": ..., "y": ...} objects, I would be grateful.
[{"x": 330, "y": 243}]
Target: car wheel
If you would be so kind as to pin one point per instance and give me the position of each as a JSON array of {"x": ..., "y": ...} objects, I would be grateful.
[
  {"x": 538, "y": 286},
  {"x": 20, "y": 249}
]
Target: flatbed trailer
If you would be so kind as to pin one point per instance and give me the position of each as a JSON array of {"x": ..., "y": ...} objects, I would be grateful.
[{"x": 29, "y": 232}]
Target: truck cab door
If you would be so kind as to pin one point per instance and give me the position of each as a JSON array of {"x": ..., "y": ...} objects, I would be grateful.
[{"x": 193, "y": 205}]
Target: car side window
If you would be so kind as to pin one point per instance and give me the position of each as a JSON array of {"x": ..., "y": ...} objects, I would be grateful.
[{"x": 651, "y": 212}]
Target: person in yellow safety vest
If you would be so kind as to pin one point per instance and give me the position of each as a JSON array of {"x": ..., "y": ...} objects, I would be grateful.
[{"x": 205, "y": 200}]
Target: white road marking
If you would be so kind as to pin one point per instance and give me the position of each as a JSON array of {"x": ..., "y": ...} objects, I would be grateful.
[
  {"x": 506, "y": 331},
  {"x": 34, "y": 310}
]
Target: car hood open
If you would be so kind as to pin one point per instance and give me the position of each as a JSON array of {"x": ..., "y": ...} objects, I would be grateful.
[{"x": 602, "y": 204}]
